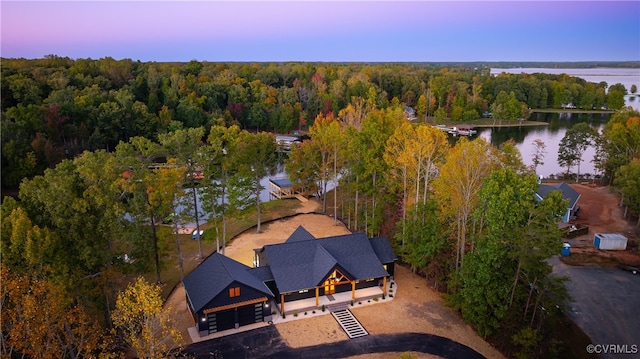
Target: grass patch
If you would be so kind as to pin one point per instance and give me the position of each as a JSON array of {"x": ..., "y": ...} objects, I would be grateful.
[{"x": 170, "y": 269}]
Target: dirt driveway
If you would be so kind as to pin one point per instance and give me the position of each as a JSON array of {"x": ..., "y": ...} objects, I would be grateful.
[
  {"x": 415, "y": 308},
  {"x": 600, "y": 211}
]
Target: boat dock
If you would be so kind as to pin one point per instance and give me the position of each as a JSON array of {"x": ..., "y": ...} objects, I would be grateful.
[{"x": 461, "y": 130}]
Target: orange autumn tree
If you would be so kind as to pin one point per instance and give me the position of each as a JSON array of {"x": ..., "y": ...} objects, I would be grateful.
[{"x": 39, "y": 321}]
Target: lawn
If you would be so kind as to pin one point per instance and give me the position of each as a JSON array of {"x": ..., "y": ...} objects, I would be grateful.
[{"x": 245, "y": 220}]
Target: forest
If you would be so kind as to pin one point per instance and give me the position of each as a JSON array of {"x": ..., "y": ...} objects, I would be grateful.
[
  {"x": 105, "y": 151},
  {"x": 55, "y": 107}
]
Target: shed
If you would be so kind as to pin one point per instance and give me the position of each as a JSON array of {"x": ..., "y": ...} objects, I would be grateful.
[{"x": 611, "y": 241}]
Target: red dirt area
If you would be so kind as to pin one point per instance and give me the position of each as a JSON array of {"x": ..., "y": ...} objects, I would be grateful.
[{"x": 601, "y": 212}]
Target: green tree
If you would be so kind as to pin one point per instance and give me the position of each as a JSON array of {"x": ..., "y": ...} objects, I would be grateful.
[
  {"x": 615, "y": 96},
  {"x": 185, "y": 145},
  {"x": 151, "y": 192},
  {"x": 256, "y": 158},
  {"x": 509, "y": 256},
  {"x": 628, "y": 181},
  {"x": 619, "y": 142},
  {"x": 572, "y": 146},
  {"x": 328, "y": 141}
]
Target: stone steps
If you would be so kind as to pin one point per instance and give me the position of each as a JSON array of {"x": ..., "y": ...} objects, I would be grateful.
[{"x": 349, "y": 323}]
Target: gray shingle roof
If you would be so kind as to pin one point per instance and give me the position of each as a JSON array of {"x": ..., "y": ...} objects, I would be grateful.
[
  {"x": 383, "y": 249},
  {"x": 567, "y": 192},
  {"x": 214, "y": 275},
  {"x": 300, "y": 234},
  {"x": 355, "y": 254},
  {"x": 298, "y": 265},
  {"x": 305, "y": 262},
  {"x": 262, "y": 273}
]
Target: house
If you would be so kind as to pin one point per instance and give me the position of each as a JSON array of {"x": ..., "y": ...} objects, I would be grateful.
[
  {"x": 410, "y": 113},
  {"x": 225, "y": 294},
  {"x": 568, "y": 193},
  {"x": 305, "y": 267}
]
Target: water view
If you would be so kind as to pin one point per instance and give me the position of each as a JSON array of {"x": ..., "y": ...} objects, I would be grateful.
[
  {"x": 625, "y": 76},
  {"x": 550, "y": 135}
]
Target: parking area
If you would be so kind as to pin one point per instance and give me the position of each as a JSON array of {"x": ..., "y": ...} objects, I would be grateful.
[{"x": 606, "y": 304}]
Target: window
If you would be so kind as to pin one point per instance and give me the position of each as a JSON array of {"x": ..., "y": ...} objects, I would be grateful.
[{"x": 234, "y": 292}]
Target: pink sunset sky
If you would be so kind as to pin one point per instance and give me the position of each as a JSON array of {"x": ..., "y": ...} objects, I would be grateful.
[{"x": 370, "y": 31}]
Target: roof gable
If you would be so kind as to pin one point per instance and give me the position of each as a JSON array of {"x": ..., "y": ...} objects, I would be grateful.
[
  {"x": 214, "y": 275},
  {"x": 298, "y": 265},
  {"x": 300, "y": 234},
  {"x": 355, "y": 254},
  {"x": 304, "y": 262},
  {"x": 567, "y": 192}
]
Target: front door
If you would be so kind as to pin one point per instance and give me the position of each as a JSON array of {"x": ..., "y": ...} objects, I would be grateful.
[
  {"x": 334, "y": 278},
  {"x": 329, "y": 286}
]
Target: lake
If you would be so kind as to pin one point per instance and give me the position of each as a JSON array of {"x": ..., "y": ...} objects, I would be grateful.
[
  {"x": 611, "y": 76},
  {"x": 550, "y": 135}
]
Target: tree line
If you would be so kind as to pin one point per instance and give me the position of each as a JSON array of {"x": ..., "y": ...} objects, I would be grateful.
[{"x": 55, "y": 107}]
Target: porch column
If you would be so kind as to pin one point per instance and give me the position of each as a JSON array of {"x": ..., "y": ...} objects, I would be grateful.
[
  {"x": 317, "y": 296},
  {"x": 282, "y": 303},
  {"x": 384, "y": 284},
  {"x": 353, "y": 289}
]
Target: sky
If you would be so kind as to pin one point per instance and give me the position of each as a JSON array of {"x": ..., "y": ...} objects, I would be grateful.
[{"x": 323, "y": 31}]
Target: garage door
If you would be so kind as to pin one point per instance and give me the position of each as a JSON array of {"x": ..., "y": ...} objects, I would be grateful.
[
  {"x": 220, "y": 321},
  {"x": 250, "y": 314}
]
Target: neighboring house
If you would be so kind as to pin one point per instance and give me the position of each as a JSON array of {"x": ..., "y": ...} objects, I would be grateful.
[
  {"x": 225, "y": 294},
  {"x": 568, "y": 193},
  {"x": 305, "y": 267},
  {"x": 410, "y": 113}
]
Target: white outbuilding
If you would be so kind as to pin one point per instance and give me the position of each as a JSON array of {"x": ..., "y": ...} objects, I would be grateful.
[{"x": 610, "y": 241}]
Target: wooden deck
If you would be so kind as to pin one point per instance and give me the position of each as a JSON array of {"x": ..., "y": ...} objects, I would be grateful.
[{"x": 283, "y": 188}]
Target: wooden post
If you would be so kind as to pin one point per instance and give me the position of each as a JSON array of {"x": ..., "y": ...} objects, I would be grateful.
[
  {"x": 353, "y": 289},
  {"x": 317, "y": 296},
  {"x": 384, "y": 284},
  {"x": 282, "y": 303}
]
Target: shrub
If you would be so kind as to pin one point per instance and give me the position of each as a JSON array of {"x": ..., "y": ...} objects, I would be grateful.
[
  {"x": 390, "y": 295},
  {"x": 375, "y": 299},
  {"x": 273, "y": 312},
  {"x": 314, "y": 312},
  {"x": 382, "y": 296},
  {"x": 352, "y": 303},
  {"x": 284, "y": 315},
  {"x": 295, "y": 314},
  {"x": 323, "y": 307},
  {"x": 359, "y": 302},
  {"x": 305, "y": 313}
]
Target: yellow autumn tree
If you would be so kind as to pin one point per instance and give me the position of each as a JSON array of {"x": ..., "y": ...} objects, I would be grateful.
[
  {"x": 143, "y": 322},
  {"x": 466, "y": 166}
]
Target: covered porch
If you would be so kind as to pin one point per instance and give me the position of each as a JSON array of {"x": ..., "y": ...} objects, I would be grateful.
[{"x": 335, "y": 299}]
